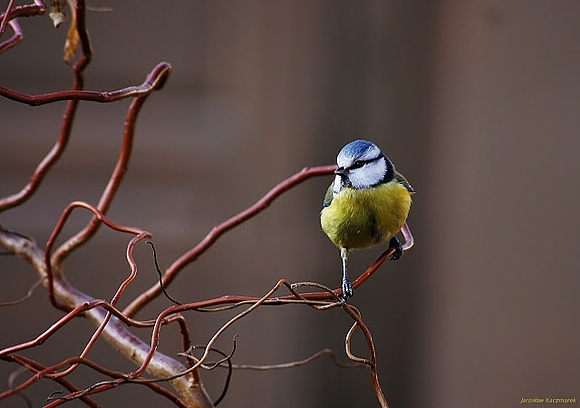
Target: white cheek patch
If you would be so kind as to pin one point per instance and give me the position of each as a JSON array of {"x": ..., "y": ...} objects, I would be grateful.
[{"x": 369, "y": 175}]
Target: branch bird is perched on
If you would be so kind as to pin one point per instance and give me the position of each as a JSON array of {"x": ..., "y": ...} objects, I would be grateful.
[{"x": 366, "y": 205}]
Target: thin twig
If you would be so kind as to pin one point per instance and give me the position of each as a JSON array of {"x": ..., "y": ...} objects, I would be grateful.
[
  {"x": 160, "y": 274},
  {"x": 232, "y": 301},
  {"x": 154, "y": 81},
  {"x": 119, "y": 379},
  {"x": 36, "y": 367},
  {"x": 54, "y": 272},
  {"x": 371, "y": 362},
  {"x": 155, "y": 77},
  {"x": 297, "y": 363},
  {"x": 177, "y": 309},
  {"x": 57, "y": 150},
  {"x": 23, "y": 298},
  {"x": 12, "y": 379},
  {"x": 226, "y": 359},
  {"x": 219, "y": 230}
]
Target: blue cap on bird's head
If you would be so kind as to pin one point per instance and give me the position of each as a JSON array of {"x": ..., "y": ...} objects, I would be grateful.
[
  {"x": 361, "y": 164},
  {"x": 361, "y": 150}
]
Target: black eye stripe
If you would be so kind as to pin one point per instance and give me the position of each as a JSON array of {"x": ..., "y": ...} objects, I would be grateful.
[{"x": 359, "y": 163}]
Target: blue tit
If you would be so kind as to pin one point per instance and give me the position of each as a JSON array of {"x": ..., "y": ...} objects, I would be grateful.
[{"x": 366, "y": 205}]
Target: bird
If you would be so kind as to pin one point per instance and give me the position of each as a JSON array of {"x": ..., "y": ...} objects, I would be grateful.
[{"x": 367, "y": 204}]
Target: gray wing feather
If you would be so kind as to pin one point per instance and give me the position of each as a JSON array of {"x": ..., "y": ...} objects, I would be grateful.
[
  {"x": 328, "y": 196},
  {"x": 402, "y": 180}
]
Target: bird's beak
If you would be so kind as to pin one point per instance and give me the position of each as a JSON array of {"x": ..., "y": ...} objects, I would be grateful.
[{"x": 341, "y": 171}]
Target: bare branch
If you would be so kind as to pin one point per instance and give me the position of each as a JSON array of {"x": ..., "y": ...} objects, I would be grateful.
[
  {"x": 219, "y": 230},
  {"x": 372, "y": 361},
  {"x": 76, "y": 392},
  {"x": 297, "y": 363},
  {"x": 15, "y": 39},
  {"x": 23, "y": 298},
  {"x": 36, "y": 367},
  {"x": 154, "y": 81},
  {"x": 111, "y": 323}
]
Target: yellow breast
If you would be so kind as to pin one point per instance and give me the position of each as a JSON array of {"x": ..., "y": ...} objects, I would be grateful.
[{"x": 366, "y": 217}]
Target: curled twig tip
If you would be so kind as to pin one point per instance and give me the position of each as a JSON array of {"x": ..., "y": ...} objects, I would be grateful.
[{"x": 160, "y": 274}]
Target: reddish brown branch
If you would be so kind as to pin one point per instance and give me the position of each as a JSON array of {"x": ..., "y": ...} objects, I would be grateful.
[
  {"x": 36, "y": 367},
  {"x": 80, "y": 311},
  {"x": 25, "y": 10},
  {"x": 4, "y": 17},
  {"x": 76, "y": 392},
  {"x": 372, "y": 361},
  {"x": 238, "y": 300},
  {"x": 156, "y": 78},
  {"x": 110, "y": 322},
  {"x": 162, "y": 367},
  {"x": 168, "y": 313},
  {"x": 5, "y": 20},
  {"x": 184, "y": 307},
  {"x": 60, "y": 291},
  {"x": 14, "y": 40},
  {"x": 56, "y": 152},
  {"x": 189, "y": 386},
  {"x": 268, "y": 299},
  {"x": 154, "y": 81},
  {"x": 231, "y": 223},
  {"x": 55, "y": 273},
  {"x": 219, "y": 230},
  {"x": 63, "y": 321},
  {"x": 81, "y": 28}
]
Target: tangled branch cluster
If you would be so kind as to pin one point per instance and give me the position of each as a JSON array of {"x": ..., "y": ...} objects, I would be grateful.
[{"x": 153, "y": 367}]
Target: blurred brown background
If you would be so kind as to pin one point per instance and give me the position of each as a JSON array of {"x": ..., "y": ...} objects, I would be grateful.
[{"x": 476, "y": 102}]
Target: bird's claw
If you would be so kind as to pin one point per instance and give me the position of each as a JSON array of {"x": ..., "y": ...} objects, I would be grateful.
[
  {"x": 347, "y": 290},
  {"x": 394, "y": 243}
]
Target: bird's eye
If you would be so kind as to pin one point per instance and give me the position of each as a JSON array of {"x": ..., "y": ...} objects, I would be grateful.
[{"x": 356, "y": 164}]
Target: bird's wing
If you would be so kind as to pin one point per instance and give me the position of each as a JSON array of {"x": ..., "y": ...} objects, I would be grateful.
[
  {"x": 402, "y": 180},
  {"x": 328, "y": 196}
]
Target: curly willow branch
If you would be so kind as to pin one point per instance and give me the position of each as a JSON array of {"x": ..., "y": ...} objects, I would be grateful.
[
  {"x": 297, "y": 363},
  {"x": 60, "y": 291},
  {"x": 15, "y": 39},
  {"x": 219, "y": 230},
  {"x": 78, "y": 83},
  {"x": 154, "y": 81},
  {"x": 120, "y": 378},
  {"x": 190, "y": 256},
  {"x": 36, "y": 367},
  {"x": 372, "y": 361},
  {"x": 8, "y": 18},
  {"x": 268, "y": 299},
  {"x": 112, "y": 323}
]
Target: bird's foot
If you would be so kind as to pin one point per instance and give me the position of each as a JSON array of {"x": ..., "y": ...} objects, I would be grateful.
[
  {"x": 394, "y": 243},
  {"x": 347, "y": 290}
]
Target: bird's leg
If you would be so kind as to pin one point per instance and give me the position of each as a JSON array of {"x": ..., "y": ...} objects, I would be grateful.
[
  {"x": 394, "y": 243},
  {"x": 347, "y": 290}
]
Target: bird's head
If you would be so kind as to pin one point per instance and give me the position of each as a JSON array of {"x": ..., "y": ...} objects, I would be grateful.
[{"x": 361, "y": 164}]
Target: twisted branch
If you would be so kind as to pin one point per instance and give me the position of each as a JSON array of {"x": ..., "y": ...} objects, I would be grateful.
[{"x": 111, "y": 323}]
